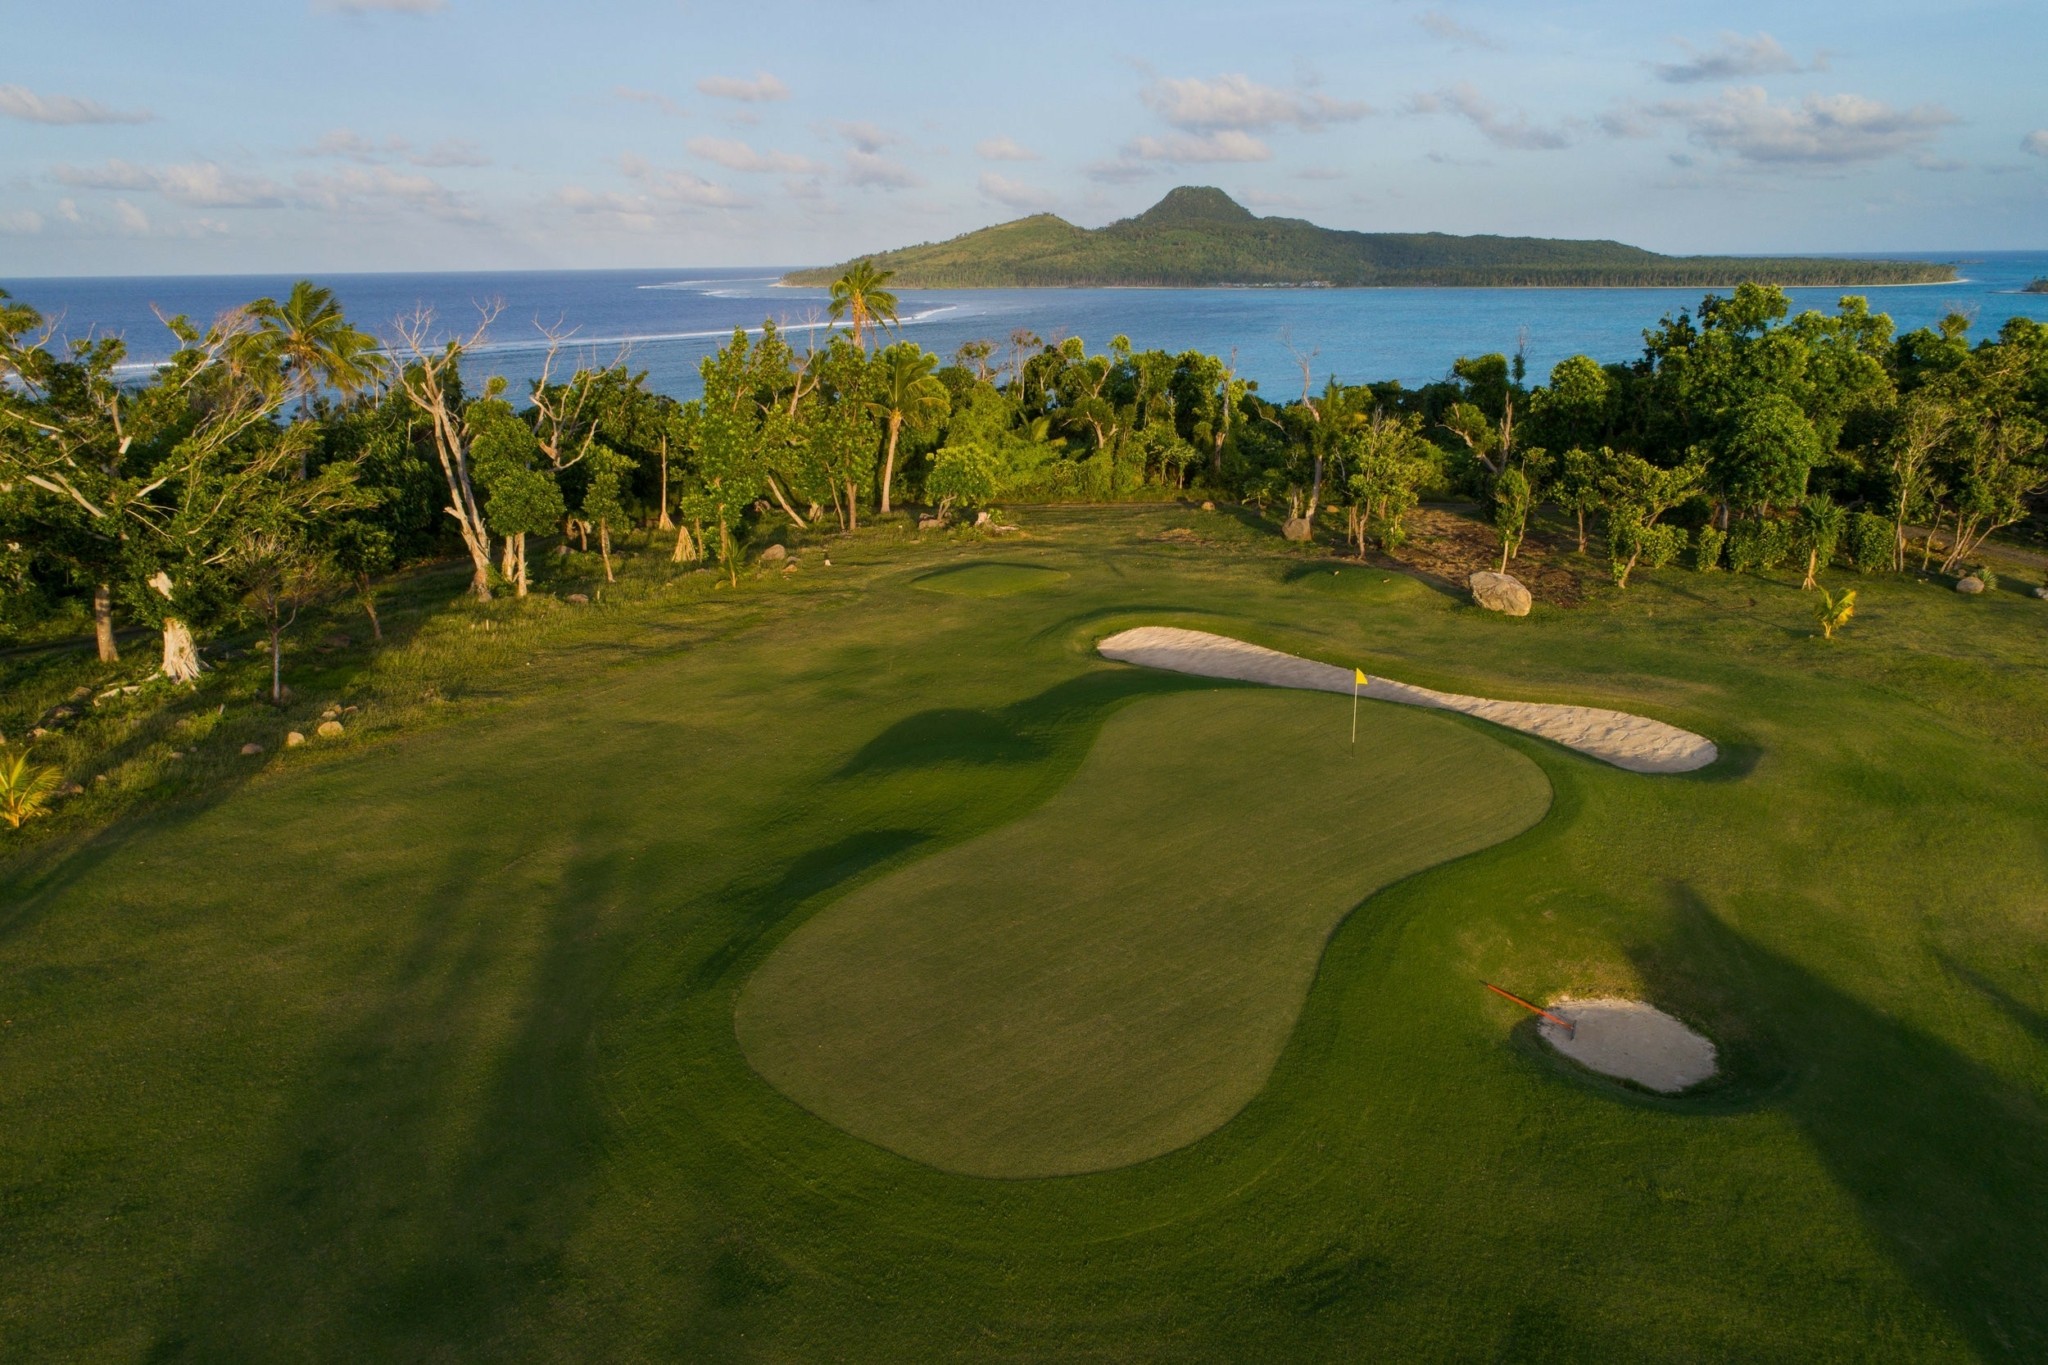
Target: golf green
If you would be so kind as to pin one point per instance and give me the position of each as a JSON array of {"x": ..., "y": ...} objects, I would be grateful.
[{"x": 1114, "y": 975}]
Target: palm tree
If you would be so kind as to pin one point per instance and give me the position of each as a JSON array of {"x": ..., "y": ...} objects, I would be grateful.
[
  {"x": 316, "y": 344},
  {"x": 1832, "y": 613},
  {"x": 25, "y": 792},
  {"x": 859, "y": 297},
  {"x": 907, "y": 394}
]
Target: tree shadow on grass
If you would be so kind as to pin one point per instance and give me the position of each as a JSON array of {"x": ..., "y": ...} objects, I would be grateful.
[
  {"x": 1946, "y": 1160},
  {"x": 407, "y": 1212}
]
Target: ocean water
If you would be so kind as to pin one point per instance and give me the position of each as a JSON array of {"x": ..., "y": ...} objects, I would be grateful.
[{"x": 666, "y": 321}]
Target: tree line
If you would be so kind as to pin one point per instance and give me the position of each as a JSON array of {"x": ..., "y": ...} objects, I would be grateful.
[{"x": 282, "y": 456}]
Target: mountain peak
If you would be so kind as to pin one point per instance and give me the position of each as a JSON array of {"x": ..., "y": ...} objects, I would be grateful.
[{"x": 1196, "y": 204}]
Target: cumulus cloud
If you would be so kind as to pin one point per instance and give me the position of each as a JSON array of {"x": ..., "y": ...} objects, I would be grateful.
[
  {"x": 866, "y": 137},
  {"x": 1441, "y": 25},
  {"x": 20, "y": 223},
  {"x": 1732, "y": 58},
  {"x": 2035, "y": 142},
  {"x": 1004, "y": 149},
  {"x": 738, "y": 156},
  {"x": 356, "y": 189},
  {"x": 20, "y": 102},
  {"x": 353, "y": 146},
  {"x": 1226, "y": 145},
  {"x": 130, "y": 219},
  {"x": 202, "y": 183},
  {"x": 1239, "y": 104},
  {"x": 1515, "y": 133},
  {"x": 681, "y": 187},
  {"x": 871, "y": 171},
  {"x": 1015, "y": 194},
  {"x": 760, "y": 90},
  {"x": 1818, "y": 130}
]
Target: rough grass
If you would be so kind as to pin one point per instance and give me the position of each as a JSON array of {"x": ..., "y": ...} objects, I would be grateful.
[
  {"x": 990, "y": 580},
  {"x": 1114, "y": 975},
  {"x": 422, "y": 1047}
]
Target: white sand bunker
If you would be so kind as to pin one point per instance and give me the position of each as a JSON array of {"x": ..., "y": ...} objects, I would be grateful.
[
  {"x": 1636, "y": 743},
  {"x": 1631, "y": 1040}
]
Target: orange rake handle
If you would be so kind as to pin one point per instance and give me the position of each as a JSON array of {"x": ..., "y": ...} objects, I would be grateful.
[{"x": 1571, "y": 1030}]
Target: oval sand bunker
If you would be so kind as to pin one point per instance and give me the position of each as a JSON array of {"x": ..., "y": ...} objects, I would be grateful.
[{"x": 1633, "y": 1041}]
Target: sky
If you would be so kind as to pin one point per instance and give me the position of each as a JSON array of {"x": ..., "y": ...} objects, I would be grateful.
[{"x": 257, "y": 136}]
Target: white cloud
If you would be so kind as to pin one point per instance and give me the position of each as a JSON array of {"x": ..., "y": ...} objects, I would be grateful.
[
  {"x": 1443, "y": 26},
  {"x": 361, "y": 188},
  {"x": 866, "y": 136},
  {"x": 655, "y": 98},
  {"x": 1818, "y": 130},
  {"x": 681, "y": 187},
  {"x": 1227, "y": 145},
  {"x": 67, "y": 209},
  {"x": 20, "y": 102},
  {"x": 2035, "y": 142},
  {"x": 131, "y": 220},
  {"x": 878, "y": 172},
  {"x": 353, "y": 146},
  {"x": 202, "y": 183},
  {"x": 738, "y": 156},
  {"x": 762, "y": 88},
  {"x": 1733, "y": 57},
  {"x": 379, "y": 6},
  {"x": 1516, "y": 133},
  {"x": 1015, "y": 194},
  {"x": 1238, "y": 103},
  {"x": 20, "y": 223},
  {"x": 1004, "y": 149}
]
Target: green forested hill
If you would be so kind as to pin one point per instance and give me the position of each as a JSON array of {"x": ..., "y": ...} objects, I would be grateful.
[{"x": 1201, "y": 236}]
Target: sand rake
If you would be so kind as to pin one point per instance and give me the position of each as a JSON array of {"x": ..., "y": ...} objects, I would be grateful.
[{"x": 1571, "y": 1030}]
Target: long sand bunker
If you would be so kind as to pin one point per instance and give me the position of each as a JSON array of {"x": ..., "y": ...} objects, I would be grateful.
[
  {"x": 1632, "y": 1041},
  {"x": 1637, "y": 743}
]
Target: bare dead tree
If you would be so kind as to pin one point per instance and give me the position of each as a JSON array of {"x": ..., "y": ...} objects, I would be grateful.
[{"x": 424, "y": 376}]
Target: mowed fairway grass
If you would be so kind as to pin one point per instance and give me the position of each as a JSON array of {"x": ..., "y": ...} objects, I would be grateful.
[
  {"x": 1113, "y": 975},
  {"x": 424, "y": 1048}
]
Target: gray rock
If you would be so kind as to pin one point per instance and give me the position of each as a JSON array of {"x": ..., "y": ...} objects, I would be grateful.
[
  {"x": 774, "y": 554},
  {"x": 931, "y": 523},
  {"x": 329, "y": 729},
  {"x": 252, "y": 748},
  {"x": 981, "y": 518},
  {"x": 1502, "y": 592},
  {"x": 1298, "y": 528},
  {"x": 2041, "y": 591},
  {"x": 1208, "y": 507},
  {"x": 582, "y": 599},
  {"x": 1970, "y": 583},
  {"x": 293, "y": 740}
]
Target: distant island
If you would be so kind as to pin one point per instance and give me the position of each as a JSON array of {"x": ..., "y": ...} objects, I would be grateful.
[
  {"x": 1198, "y": 236},
  {"x": 2039, "y": 286}
]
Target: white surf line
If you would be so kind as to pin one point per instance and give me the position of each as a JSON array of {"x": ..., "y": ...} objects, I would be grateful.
[{"x": 1637, "y": 743}]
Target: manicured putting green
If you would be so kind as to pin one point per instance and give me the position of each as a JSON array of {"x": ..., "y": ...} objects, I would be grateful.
[
  {"x": 1115, "y": 974},
  {"x": 989, "y": 580}
]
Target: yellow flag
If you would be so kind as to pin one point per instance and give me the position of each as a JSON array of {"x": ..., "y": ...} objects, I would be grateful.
[{"x": 1359, "y": 677}]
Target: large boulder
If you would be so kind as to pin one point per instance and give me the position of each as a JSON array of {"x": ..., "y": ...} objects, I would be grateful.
[
  {"x": 1970, "y": 583},
  {"x": 329, "y": 729},
  {"x": 2041, "y": 591},
  {"x": 1298, "y": 528},
  {"x": 1502, "y": 592},
  {"x": 774, "y": 554}
]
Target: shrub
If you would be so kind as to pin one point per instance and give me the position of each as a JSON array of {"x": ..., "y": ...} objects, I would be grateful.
[
  {"x": 1758, "y": 544},
  {"x": 1870, "y": 542},
  {"x": 1988, "y": 575},
  {"x": 1707, "y": 546},
  {"x": 1662, "y": 545}
]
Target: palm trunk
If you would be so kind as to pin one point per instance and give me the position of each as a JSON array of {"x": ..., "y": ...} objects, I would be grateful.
[
  {"x": 103, "y": 623},
  {"x": 889, "y": 460},
  {"x": 852, "y": 507},
  {"x": 518, "y": 544},
  {"x": 1582, "y": 530},
  {"x": 664, "y": 524},
  {"x": 781, "y": 498},
  {"x": 1812, "y": 563},
  {"x": 276, "y": 662},
  {"x": 604, "y": 547}
]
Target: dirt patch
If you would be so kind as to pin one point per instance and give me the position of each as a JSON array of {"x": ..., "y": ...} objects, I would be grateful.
[
  {"x": 1632, "y": 1041},
  {"x": 1448, "y": 547}
]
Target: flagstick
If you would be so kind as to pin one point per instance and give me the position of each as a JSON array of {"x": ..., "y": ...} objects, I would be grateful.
[{"x": 1354, "y": 710}]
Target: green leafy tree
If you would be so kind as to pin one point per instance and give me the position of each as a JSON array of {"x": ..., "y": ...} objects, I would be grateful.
[
  {"x": 602, "y": 506},
  {"x": 1638, "y": 494},
  {"x": 1512, "y": 499},
  {"x": 1766, "y": 456},
  {"x": 523, "y": 497},
  {"x": 1819, "y": 531},
  {"x": 1577, "y": 488}
]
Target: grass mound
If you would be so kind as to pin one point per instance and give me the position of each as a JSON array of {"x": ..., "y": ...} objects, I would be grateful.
[
  {"x": 989, "y": 580},
  {"x": 1115, "y": 974}
]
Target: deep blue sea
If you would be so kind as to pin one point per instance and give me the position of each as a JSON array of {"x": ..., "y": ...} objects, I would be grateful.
[{"x": 665, "y": 321}]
